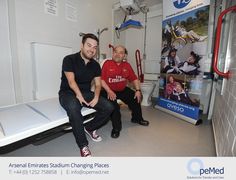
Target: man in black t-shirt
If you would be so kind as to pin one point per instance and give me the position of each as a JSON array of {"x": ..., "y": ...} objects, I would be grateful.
[{"x": 78, "y": 71}]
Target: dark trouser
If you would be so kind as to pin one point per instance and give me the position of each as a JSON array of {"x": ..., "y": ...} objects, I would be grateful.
[
  {"x": 127, "y": 96},
  {"x": 73, "y": 108}
]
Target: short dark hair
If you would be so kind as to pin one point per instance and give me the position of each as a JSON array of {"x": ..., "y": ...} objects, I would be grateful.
[
  {"x": 126, "y": 51},
  {"x": 91, "y": 36}
]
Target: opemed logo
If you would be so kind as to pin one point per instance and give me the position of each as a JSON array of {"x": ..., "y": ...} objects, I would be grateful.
[
  {"x": 181, "y": 3},
  {"x": 196, "y": 167}
]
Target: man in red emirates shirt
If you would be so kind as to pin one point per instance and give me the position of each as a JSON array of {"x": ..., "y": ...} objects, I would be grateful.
[{"x": 116, "y": 73}]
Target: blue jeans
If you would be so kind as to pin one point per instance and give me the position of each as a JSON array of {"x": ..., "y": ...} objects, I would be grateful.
[{"x": 73, "y": 108}]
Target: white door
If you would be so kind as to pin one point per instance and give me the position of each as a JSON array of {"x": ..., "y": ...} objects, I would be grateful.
[
  {"x": 7, "y": 93},
  {"x": 153, "y": 48}
]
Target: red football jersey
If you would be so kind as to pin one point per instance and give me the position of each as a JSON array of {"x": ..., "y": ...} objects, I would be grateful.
[{"x": 117, "y": 75}]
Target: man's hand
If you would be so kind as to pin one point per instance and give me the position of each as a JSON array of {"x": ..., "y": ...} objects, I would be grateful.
[
  {"x": 93, "y": 102},
  {"x": 138, "y": 96},
  {"x": 111, "y": 95},
  {"x": 82, "y": 100}
]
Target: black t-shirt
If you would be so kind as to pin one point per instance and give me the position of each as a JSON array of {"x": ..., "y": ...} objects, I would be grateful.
[{"x": 84, "y": 73}]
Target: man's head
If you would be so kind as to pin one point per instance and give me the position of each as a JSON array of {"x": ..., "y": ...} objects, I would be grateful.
[
  {"x": 89, "y": 46},
  {"x": 119, "y": 53}
]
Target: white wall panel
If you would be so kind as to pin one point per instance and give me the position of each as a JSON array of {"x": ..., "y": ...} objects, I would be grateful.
[{"x": 7, "y": 93}]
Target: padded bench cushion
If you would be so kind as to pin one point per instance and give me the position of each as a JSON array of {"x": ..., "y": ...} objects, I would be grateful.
[
  {"x": 51, "y": 109},
  {"x": 19, "y": 118},
  {"x": 25, "y": 120}
]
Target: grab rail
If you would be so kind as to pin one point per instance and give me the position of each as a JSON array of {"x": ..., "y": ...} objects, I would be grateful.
[
  {"x": 139, "y": 66},
  {"x": 217, "y": 43}
]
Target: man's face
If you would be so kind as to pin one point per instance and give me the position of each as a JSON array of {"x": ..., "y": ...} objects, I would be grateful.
[
  {"x": 89, "y": 48},
  {"x": 118, "y": 54}
]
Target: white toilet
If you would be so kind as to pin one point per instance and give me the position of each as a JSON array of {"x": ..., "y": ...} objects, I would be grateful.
[
  {"x": 151, "y": 68},
  {"x": 147, "y": 88}
]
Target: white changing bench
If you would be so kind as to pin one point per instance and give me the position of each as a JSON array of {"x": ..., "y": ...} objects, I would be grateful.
[{"x": 21, "y": 121}]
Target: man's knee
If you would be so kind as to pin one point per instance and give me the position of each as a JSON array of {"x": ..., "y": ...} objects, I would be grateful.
[
  {"x": 105, "y": 105},
  {"x": 73, "y": 106},
  {"x": 109, "y": 107}
]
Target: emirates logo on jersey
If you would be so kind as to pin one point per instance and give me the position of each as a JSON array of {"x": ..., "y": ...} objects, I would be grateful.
[{"x": 116, "y": 79}]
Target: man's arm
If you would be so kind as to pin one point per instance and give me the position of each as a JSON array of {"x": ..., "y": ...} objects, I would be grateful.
[
  {"x": 138, "y": 93},
  {"x": 97, "y": 81},
  {"x": 110, "y": 94},
  {"x": 73, "y": 85}
]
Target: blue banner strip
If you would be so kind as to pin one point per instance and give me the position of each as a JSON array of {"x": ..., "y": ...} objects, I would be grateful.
[{"x": 183, "y": 109}]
